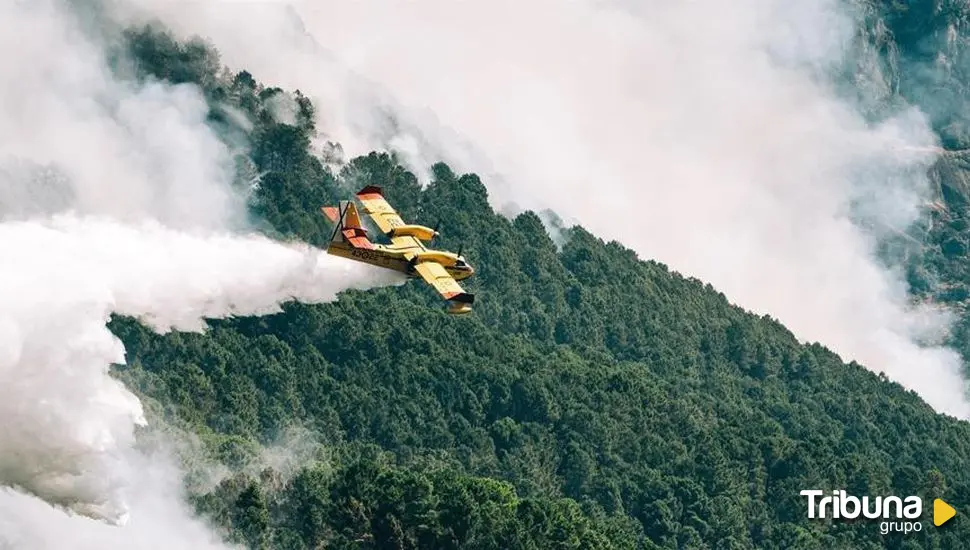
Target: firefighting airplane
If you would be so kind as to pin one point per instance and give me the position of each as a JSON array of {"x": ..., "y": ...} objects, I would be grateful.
[{"x": 406, "y": 253}]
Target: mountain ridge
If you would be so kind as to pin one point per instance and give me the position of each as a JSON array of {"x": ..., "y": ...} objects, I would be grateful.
[{"x": 569, "y": 406}]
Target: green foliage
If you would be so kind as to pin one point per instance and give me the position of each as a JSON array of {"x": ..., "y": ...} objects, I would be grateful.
[
  {"x": 592, "y": 400},
  {"x": 369, "y": 503}
]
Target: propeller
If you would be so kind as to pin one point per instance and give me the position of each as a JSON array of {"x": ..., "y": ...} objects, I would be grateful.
[
  {"x": 461, "y": 246},
  {"x": 434, "y": 232}
]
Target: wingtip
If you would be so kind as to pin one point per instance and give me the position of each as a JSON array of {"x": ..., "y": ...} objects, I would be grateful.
[
  {"x": 455, "y": 308},
  {"x": 462, "y": 298},
  {"x": 370, "y": 190}
]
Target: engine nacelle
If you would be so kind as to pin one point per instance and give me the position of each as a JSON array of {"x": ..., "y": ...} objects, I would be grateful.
[
  {"x": 419, "y": 232},
  {"x": 443, "y": 258}
]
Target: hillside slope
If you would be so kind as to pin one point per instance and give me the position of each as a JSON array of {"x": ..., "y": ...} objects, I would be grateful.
[
  {"x": 922, "y": 51},
  {"x": 593, "y": 400}
]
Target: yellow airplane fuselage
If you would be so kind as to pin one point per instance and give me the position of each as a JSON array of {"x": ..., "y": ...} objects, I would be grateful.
[
  {"x": 395, "y": 258},
  {"x": 406, "y": 253}
]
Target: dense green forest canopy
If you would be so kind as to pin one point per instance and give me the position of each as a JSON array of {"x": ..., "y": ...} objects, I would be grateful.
[{"x": 567, "y": 412}]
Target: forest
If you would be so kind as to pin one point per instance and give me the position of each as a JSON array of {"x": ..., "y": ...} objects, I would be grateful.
[{"x": 550, "y": 417}]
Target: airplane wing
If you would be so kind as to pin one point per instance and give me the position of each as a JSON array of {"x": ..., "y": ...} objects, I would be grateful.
[
  {"x": 378, "y": 208},
  {"x": 384, "y": 215},
  {"x": 445, "y": 284}
]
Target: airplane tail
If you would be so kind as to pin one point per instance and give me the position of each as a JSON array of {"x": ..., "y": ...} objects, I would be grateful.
[{"x": 349, "y": 227}]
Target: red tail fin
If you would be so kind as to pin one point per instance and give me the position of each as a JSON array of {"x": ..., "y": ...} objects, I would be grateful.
[
  {"x": 351, "y": 230},
  {"x": 352, "y": 218}
]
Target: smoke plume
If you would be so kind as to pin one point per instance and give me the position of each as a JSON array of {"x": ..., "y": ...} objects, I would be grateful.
[
  {"x": 67, "y": 425},
  {"x": 710, "y": 137},
  {"x": 114, "y": 197}
]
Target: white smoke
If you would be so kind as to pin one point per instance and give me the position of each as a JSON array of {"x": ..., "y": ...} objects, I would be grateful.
[
  {"x": 703, "y": 134},
  {"x": 283, "y": 108},
  {"x": 158, "y": 521},
  {"x": 74, "y": 136},
  {"x": 67, "y": 425},
  {"x": 114, "y": 197}
]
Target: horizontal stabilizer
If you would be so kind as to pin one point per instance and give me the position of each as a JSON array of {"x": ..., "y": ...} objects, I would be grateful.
[
  {"x": 357, "y": 238},
  {"x": 331, "y": 212}
]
